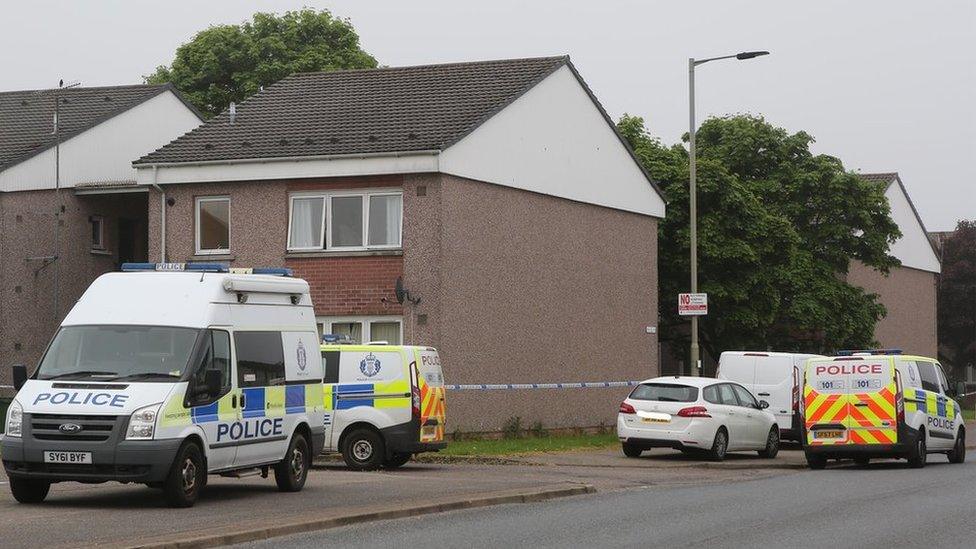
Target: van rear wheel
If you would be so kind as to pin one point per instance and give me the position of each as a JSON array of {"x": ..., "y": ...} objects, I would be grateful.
[
  {"x": 958, "y": 452},
  {"x": 26, "y": 490},
  {"x": 363, "y": 450},
  {"x": 918, "y": 453},
  {"x": 397, "y": 459}
]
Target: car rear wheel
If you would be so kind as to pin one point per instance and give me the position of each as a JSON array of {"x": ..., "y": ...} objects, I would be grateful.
[
  {"x": 816, "y": 462},
  {"x": 27, "y": 490},
  {"x": 363, "y": 450},
  {"x": 918, "y": 454},
  {"x": 958, "y": 453},
  {"x": 720, "y": 445},
  {"x": 772, "y": 444},
  {"x": 631, "y": 450}
]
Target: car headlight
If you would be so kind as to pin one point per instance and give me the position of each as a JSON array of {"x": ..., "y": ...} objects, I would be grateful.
[
  {"x": 142, "y": 424},
  {"x": 15, "y": 420}
]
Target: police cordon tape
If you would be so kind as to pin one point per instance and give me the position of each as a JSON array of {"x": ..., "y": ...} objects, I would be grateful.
[{"x": 502, "y": 386}]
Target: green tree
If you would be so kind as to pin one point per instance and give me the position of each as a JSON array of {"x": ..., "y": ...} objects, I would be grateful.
[
  {"x": 228, "y": 63},
  {"x": 957, "y": 296},
  {"x": 778, "y": 227}
]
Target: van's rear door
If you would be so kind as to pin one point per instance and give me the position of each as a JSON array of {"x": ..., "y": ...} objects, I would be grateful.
[
  {"x": 850, "y": 400},
  {"x": 433, "y": 413}
]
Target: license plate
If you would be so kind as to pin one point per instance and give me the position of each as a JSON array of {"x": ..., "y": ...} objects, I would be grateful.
[
  {"x": 655, "y": 420},
  {"x": 54, "y": 456},
  {"x": 828, "y": 434}
]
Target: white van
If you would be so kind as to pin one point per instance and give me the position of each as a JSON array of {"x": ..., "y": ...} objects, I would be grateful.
[
  {"x": 774, "y": 377},
  {"x": 167, "y": 373},
  {"x": 384, "y": 403}
]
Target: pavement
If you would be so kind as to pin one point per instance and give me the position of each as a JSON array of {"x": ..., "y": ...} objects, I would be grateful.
[
  {"x": 881, "y": 506},
  {"x": 235, "y": 510}
]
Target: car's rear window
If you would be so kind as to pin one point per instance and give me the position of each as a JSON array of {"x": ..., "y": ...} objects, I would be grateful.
[{"x": 665, "y": 392}]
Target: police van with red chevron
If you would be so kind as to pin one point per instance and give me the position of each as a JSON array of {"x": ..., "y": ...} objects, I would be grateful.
[
  {"x": 165, "y": 373},
  {"x": 863, "y": 405}
]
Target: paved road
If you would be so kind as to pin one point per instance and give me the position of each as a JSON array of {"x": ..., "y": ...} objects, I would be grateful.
[
  {"x": 885, "y": 505},
  {"x": 116, "y": 515}
]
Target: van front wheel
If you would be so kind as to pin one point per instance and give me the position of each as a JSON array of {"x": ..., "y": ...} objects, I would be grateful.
[
  {"x": 186, "y": 477},
  {"x": 291, "y": 472},
  {"x": 29, "y": 490},
  {"x": 363, "y": 450}
]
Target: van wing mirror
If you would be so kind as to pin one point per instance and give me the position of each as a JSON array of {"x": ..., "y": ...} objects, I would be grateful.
[
  {"x": 19, "y": 375},
  {"x": 763, "y": 405}
]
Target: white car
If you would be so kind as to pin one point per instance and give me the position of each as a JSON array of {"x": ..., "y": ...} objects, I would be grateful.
[{"x": 696, "y": 414}]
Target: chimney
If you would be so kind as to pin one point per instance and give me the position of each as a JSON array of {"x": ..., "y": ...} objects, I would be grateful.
[{"x": 233, "y": 111}]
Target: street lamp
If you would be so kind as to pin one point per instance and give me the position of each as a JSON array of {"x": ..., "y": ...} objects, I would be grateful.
[{"x": 693, "y": 190}]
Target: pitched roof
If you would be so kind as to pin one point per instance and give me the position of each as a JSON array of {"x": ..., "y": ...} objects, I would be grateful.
[
  {"x": 886, "y": 177},
  {"x": 366, "y": 111},
  {"x": 27, "y": 116},
  {"x": 891, "y": 177}
]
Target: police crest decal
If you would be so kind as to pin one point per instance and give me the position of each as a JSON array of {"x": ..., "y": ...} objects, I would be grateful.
[
  {"x": 370, "y": 365},
  {"x": 301, "y": 357}
]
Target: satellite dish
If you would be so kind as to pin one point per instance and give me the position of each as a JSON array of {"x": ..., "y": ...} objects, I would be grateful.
[{"x": 400, "y": 292}]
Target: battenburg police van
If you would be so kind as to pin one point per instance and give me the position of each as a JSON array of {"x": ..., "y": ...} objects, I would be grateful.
[
  {"x": 384, "y": 403},
  {"x": 166, "y": 373},
  {"x": 879, "y": 404}
]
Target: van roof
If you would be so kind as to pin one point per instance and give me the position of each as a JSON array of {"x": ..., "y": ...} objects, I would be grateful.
[
  {"x": 372, "y": 347},
  {"x": 766, "y": 353},
  {"x": 193, "y": 300}
]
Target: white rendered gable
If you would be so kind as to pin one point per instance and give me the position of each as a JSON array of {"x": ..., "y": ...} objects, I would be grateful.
[
  {"x": 913, "y": 248},
  {"x": 554, "y": 140},
  {"x": 104, "y": 152}
]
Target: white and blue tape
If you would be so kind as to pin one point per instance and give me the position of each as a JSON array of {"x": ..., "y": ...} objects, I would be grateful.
[{"x": 503, "y": 386}]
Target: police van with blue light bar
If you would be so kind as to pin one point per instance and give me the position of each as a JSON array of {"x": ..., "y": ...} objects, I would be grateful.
[{"x": 165, "y": 373}]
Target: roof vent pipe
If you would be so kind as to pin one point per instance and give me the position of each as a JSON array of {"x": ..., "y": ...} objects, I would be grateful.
[{"x": 233, "y": 111}]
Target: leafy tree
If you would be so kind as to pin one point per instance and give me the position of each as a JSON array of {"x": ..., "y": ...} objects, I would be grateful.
[
  {"x": 227, "y": 63},
  {"x": 957, "y": 296},
  {"x": 777, "y": 229}
]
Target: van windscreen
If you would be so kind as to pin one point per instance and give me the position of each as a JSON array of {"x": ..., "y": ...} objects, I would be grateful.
[{"x": 665, "y": 392}]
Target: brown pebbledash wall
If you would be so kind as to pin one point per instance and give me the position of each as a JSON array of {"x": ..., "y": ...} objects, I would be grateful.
[
  {"x": 28, "y": 318},
  {"x": 518, "y": 287},
  {"x": 910, "y": 297}
]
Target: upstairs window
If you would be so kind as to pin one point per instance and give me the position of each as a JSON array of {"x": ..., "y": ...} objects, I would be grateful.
[
  {"x": 345, "y": 220},
  {"x": 98, "y": 232},
  {"x": 212, "y": 225}
]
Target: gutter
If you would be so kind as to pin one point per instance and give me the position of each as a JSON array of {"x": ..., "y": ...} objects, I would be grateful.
[{"x": 363, "y": 156}]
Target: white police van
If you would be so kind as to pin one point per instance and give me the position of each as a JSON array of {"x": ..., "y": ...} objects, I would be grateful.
[{"x": 167, "y": 373}]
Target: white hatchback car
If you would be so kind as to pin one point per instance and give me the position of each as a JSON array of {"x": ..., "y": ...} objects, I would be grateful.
[{"x": 696, "y": 415}]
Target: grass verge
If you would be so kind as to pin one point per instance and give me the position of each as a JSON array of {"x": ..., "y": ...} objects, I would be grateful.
[
  {"x": 528, "y": 445},
  {"x": 969, "y": 415}
]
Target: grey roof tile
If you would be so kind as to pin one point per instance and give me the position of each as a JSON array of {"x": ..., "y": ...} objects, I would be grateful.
[
  {"x": 366, "y": 111},
  {"x": 27, "y": 117}
]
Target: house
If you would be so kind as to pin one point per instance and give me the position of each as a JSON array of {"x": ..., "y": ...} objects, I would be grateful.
[
  {"x": 497, "y": 193},
  {"x": 70, "y": 208},
  {"x": 908, "y": 292}
]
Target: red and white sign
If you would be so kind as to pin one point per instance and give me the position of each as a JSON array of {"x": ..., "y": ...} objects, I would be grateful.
[{"x": 692, "y": 304}]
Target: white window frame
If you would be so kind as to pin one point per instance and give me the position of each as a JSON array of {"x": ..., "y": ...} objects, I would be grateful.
[
  {"x": 99, "y": 245},
  {"x": 325, "y": 324},
  {"x": 196, "y": 215},
  {"x": 327, "y": 232}
]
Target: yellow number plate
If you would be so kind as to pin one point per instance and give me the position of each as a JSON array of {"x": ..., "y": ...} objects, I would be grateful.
[{"x": 828, "y": 434}]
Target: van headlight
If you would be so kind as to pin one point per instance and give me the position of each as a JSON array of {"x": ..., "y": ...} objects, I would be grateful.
[
  {"x": 142, "y": 424},
  {"x": 15, "y": 420}
]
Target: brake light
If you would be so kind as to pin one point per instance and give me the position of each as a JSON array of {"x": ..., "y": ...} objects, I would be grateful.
[
  {"x": 627, "y": 408},
  {"x": 899, "y": 398},
  {"x": 694, "y": 411},
  {"x": 415, "y": 392}
]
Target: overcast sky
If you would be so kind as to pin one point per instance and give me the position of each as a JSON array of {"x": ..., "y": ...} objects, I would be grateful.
[{"x": 885, "y": 85}]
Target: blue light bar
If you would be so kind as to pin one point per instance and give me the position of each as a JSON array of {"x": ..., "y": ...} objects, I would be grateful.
[
  {"x": 176, "y": 267},
  {"x": 336, "y": 338},
  {"x": 207, "y": 267},
  {"x": 869, "y": 352},
  {"x": 273, "y": 271},
  {"x": 128, "y": 267}
]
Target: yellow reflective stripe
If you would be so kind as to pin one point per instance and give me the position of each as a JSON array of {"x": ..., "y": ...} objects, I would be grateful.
[
  {"x": 401, "y": 402},
  {"x": 274, "y": 401},
  {"x": 327, "y": 396},
  {"x": 226, "y": 412},
  {"x": 174, "y": 414}
]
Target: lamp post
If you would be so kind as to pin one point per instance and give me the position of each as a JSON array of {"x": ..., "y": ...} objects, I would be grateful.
[{"x": 693, "y": 190}]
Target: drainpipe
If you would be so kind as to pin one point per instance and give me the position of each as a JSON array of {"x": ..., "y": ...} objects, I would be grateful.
[{"x": 162, "y": 216}]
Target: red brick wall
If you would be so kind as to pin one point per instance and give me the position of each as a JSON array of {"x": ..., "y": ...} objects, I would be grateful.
[{"x": 351, "y": 285}]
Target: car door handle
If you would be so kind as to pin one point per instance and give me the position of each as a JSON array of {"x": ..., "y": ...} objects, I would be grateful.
[
  {"x": 242, "y": 401},
  {"x": 233, "y": 401},
  {"x": 764, "y": 394}
]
